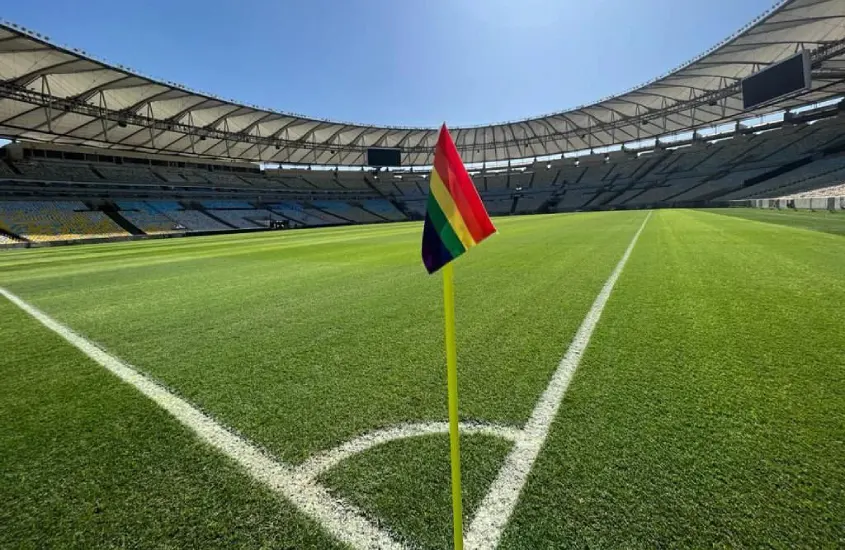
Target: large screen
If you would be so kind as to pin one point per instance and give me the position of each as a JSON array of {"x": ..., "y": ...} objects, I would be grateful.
[
  {"x": 377, "y": 156},
  {"x": 788, "y": 76}
]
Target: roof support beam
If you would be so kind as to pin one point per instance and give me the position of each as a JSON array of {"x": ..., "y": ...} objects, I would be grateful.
[
  {"x": 83, "y": 97},
  {"x": 530, "y": 126},
  {"x": 516, "y": 141},
  {"x": 48, "y": 103},
  {"x": 104, "y": 107},
  {"x": 30, "y": 77}
]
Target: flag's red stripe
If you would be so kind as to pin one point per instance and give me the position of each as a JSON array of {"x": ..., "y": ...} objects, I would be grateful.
[
  {"x": 455, "y": 178},
  {"x": 448, "y": 177},
  {"x": 452, "y": 172}
]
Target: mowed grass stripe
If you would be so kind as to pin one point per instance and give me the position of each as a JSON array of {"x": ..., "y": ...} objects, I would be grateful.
[
  {"x": 824, "y": 221},
  {"x": 88, "y": 462},
  {"x": 302, "y": 349},
  {"x": 708, "y": 408},
  {"x": 119, "y": 256}
]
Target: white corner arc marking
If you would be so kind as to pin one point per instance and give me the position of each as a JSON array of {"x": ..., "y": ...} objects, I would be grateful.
[
  {"x": 495, "y": 510},
  {"x": 321, "y": 463}
]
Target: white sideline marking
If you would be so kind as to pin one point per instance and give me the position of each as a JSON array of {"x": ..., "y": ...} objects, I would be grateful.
[
  {"x": 325, "y": 461},
  {"x": 495, "y": 510},
  {"x": 341, "y": 520}
]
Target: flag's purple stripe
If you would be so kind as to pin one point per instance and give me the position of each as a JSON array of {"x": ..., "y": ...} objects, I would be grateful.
[{"x": 434, "y": 253}]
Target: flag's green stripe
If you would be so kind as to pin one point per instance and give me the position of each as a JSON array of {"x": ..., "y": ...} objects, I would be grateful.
[{"x": 444, "y": 230}]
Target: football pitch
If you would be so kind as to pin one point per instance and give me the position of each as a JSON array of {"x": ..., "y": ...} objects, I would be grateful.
[{"x": 299, "y": 389}]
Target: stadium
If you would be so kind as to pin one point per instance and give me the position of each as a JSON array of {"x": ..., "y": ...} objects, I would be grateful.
[{"x": 217, "y": 331}]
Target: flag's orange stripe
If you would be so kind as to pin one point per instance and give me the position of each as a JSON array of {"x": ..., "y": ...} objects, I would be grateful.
[
  {"x": 452, "y": 180},
  {"x": 469, "y": 202},
  {"x": 450, "y": 210},
  {"x": 447, "y": 162}
]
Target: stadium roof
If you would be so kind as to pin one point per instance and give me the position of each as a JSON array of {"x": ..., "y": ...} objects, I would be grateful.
[{"x": 54, "y": 94}]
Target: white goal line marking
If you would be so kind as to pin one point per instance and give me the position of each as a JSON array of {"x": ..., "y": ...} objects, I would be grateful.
[
  {"x": 299, "y": 484},
  {"x": 495, "y": 510}
]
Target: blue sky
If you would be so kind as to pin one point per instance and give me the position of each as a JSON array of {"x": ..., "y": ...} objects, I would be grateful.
[{"x": 398, "y": 62}]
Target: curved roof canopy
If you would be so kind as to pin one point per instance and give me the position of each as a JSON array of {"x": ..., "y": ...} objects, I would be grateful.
[{"x": 50, "y": 93}]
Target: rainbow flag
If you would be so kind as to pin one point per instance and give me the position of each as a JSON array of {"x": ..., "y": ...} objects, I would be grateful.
[{"x": 455, "y": 217}]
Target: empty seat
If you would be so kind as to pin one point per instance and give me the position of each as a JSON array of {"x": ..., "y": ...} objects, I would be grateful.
[{"x": 56, "y": 221}]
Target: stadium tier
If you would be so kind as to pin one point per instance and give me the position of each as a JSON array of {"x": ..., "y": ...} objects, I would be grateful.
[
  {"x": 146, "y": 217},
  {"x": 55, "y": 194},
  {"x": 42, "y": 221},
  {"x": 346, "y": 211},
  {"x": 383, "y": 209}
]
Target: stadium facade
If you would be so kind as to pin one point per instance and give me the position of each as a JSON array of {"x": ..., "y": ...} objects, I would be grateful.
[{"x": 102, "y": 152}]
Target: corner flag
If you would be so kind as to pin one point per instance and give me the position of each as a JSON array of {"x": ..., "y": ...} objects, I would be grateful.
[
  {"x": 455, "y": 221},
  {"x": 455, "y": 218}
]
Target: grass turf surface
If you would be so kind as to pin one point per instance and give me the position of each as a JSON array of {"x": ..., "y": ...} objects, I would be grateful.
[
  {"x": 825, "y": 221},
  {"x": 684, "y": 426},
  {"x": 304, "y": 340},
  {"x": 88, "y": 462},
  {"x": 708, "y": 408},
  {"x": 405, "y": 484}
]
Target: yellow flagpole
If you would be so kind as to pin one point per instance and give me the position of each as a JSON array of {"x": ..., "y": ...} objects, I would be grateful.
[{"x": 452, "y": 383}]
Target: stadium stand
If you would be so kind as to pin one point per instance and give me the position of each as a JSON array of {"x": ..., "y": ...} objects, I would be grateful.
[
  {"x": 324, "y": 214},
  {"x": 319, "y": 179},
  {"x": 40, "y": 221},
  {"x": 352, "y": 180},
  {"x": 6, "y": 171},
  {"x": 222, "y": 178},
  {"x": 816, "y": 174},
  {"x": 296, "y": 212},
  {"x": 416, "y": 208},
  {"x": 246, "y": 219},
  {"x": 384, "y": 209},
  {"x": 227, "y": 205},
  {"x": 170, "y": 177},
  {"x": 494, "y": 182},
  {"x": 194, "y": 220},
  {"x": 498, "y": 204},
  {"x": 386, "y": 186},
  {"x": 127, "y": 174},
  {"x": 56, "y": 171},
  {"x": 181, "y": 219},
  {"x": 832, "y": 191},
  {"x": 240, "y": 214},
  {"x": 106, "y": 195},
  {"x": 409, "y": 188},
  {"x": 146, "y": 217},
  {"x": 346, "y": 211},
  {"x": 530, "y": 202}
]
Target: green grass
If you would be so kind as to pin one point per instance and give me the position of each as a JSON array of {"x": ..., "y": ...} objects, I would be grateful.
[
  {"x": 709, "y": 407},
  {"x": 707, "y": 410},
  {"x": 405, "y": 483},
  {"x": 825, "y": 221},
  {"x": 88, "y": 462},
  {"x": 282, "y": 336}
]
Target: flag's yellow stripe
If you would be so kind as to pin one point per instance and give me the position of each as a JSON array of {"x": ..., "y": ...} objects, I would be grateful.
[{"x": 450, "y": 210}]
